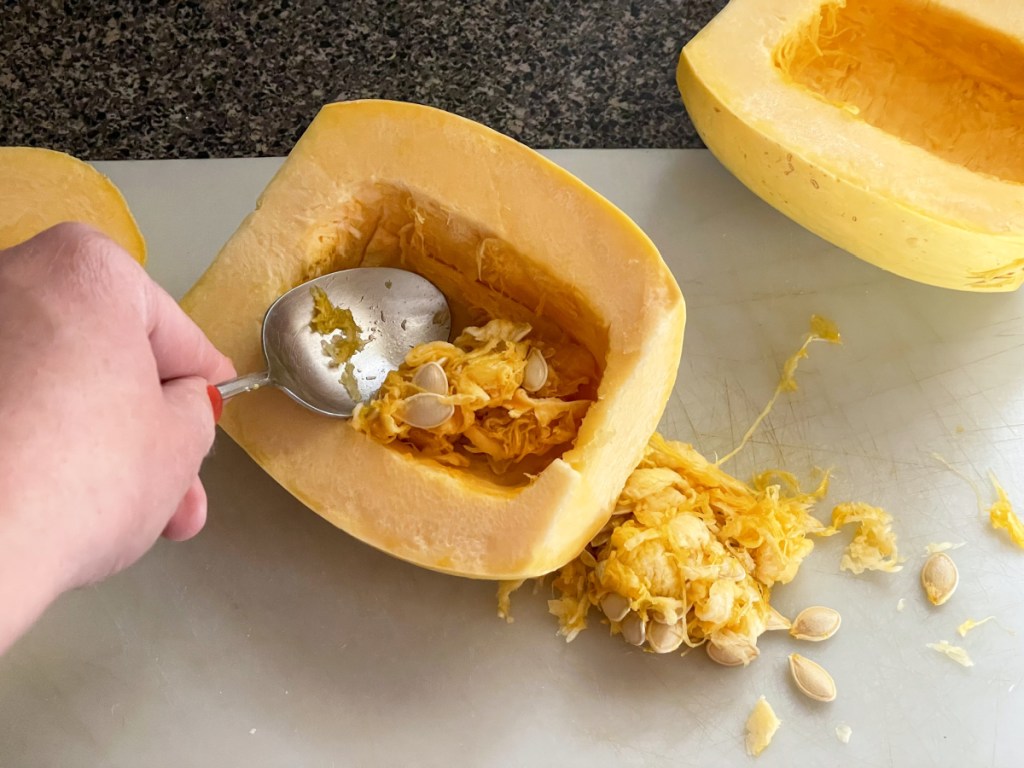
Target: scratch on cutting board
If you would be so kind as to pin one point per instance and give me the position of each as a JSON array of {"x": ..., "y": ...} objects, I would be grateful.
[
  {"x": 729, "y": 413},
  {"x": 770, "y": 435},
  {"x": 693, "y": 427},
  {"x": 963, "y": 367},
  {"x": 620, "y": 746},
  {"x": 670, "y": 426},
  {"x": 851, "y": 453},
  {"x": 965, "y": 478},
  {"x": 874, "y": 443}
]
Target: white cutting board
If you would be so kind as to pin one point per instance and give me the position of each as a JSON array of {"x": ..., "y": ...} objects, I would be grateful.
[{"x": 273, "y": 639}]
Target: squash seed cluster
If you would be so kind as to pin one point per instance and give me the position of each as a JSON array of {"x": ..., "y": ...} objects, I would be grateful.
[
  {"x": 493, "y": 393},
  {"x": 690, "y": 556}
]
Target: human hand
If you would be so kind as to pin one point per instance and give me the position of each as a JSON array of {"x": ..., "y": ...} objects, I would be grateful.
[{"x": 104, "y": 412}]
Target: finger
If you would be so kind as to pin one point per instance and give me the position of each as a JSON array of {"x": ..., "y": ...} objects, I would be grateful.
[
  {"x": 187, "y": 429},
  {"x": 187, "y": 434},
  {"x": 179, "y": 346},
  {"x": 189, "y": 518},
  {"x": 98, "y": 264}
]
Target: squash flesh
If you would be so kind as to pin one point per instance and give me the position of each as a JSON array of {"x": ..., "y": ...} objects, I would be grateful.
[{"x": 925, "y": 74}]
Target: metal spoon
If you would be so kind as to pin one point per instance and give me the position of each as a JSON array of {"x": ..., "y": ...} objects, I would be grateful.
[{"x": 396, "y": 310}]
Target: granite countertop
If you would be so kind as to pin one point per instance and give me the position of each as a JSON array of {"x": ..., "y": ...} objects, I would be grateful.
[{"x": 116, "y": 80}]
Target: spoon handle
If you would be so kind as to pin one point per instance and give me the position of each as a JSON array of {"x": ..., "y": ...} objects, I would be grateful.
[{"x": 247, "y": 383}]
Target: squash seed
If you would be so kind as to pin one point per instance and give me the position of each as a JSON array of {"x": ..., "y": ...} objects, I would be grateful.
[
  {"x": 776, "y": 621},
  {"x": 816, "y": 623},
  {"x": 430, "y": 377},
  {"x": 665, "y": 638},
  {"x": 633, "y": 630},
  {"x": 535, "y": 375},
  {"x": 811, "y": 678},
  {"x": 615, "y": 606},
  {"x": 732, "y": 655},
  {"x": 939, "y": 577},
  {"x": 426, "y": 410}
]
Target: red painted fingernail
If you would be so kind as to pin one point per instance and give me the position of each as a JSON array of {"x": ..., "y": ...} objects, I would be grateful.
[{"x": 216, "y": 401}]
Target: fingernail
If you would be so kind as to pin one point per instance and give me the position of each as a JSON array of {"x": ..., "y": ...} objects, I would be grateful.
[{"x": 216, "y": 401}]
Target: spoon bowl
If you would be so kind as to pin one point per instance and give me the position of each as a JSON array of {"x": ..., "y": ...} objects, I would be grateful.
[{"x": 395, "y": 310}]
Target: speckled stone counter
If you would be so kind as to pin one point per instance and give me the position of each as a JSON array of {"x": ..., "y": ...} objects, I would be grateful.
[{"x": 118, "y": 80}]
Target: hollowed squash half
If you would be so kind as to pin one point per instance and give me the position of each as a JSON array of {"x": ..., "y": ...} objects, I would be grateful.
[
  {"x": 507, "y": 235},
  {"x": 892, "y": 128}
]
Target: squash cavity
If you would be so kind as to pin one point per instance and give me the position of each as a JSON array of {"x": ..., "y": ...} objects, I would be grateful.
[
  {"x": 511, "y": 315},
  {"x": 922, "y": 73}
]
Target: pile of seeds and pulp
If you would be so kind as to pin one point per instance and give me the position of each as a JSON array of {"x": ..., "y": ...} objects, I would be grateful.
[{"x": 691, "y": 554}]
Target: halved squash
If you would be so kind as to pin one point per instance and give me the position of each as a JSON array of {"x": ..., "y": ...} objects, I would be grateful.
[
  {"x": 41, "y": 187},
  {"x": 892, "y": 128},
  {"x": 513, "y": 241}
]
